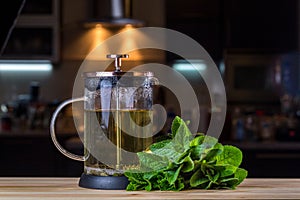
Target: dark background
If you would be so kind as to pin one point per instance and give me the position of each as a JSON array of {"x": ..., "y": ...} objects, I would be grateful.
[{"x": 220, "y": 26}]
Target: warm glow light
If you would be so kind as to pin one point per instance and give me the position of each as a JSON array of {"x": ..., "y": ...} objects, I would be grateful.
[
  {"x": 131, "y": 42},
  {"x": 98, "y": 26},
  {"x": 96, "y": 36},
  {"x": 25, "y": 65},
  {"x": 128, "y": 26}
]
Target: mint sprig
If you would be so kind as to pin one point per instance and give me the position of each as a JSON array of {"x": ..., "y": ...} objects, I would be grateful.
[{"x": 187, "y": 162}]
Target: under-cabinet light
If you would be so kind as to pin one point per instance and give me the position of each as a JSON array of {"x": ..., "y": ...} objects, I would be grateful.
[
  {"x": 25, "y": 65},
  {"x": 189, "y": 65}
]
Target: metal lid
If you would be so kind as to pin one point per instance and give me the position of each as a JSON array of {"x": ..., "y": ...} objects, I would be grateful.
[
  {"x": 118, "y": 71},
  {"x": 114, "y": 73}
]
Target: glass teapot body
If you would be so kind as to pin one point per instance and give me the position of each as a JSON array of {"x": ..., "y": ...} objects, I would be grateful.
[{"x": 118, "y": 117}]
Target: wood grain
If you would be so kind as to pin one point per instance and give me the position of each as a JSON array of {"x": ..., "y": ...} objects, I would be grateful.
[{"x": 67, "y": 188}]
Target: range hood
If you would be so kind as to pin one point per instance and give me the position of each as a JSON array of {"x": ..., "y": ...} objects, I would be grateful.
[{"x": 111, "y": 13}]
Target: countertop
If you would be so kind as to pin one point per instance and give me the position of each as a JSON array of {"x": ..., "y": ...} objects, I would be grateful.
[{"x": 67, "y": 188}]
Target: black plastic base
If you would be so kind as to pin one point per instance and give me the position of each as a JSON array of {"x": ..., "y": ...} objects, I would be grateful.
[{"x": 103, "y": 182}]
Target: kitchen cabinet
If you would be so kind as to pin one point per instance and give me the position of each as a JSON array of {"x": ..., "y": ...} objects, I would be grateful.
[
  {"x": 256, "y": 24},
  {"x": 36, "y": 34},
  {"x": 219, "y": 25},
  {"x": 32, "y": 153},
  {"x": 200, "y": 20}
]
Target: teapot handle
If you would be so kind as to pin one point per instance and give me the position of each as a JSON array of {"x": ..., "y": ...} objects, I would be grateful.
[{"x": 53, "y": 134}]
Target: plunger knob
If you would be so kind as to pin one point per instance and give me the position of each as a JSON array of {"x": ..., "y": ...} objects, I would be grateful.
[{"x": 118, "y": 58}]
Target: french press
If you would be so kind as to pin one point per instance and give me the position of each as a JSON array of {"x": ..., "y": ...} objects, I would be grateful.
[{"x": 117, "y": 124}]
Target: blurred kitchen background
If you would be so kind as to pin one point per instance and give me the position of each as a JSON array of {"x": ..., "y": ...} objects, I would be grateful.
[{"x": 254, "y": 43}]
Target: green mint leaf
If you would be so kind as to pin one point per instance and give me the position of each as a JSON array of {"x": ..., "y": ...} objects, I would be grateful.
[
  {"x": 177, "y": 121},
  {"x": 209, "y": 186},
  {"x": 198, "y": 179},
  {"x": 182, "y": 138},
  {"x": 231, "y": 155},
  {"x": 213, "y": 176},
  {"x": 159, "y": 145},
  {"x": 177, "y": 148},
  {"x": 197, "y": 141},
  {"x": 187, "y": 164},
  {"x": 173, "y": 175},
  {"x": 216, "y": 177},
  {"x": 197, "y": 152},
  {"x": 135, "y": 177},
  {"x": 149, "y": 175},
  {"x": 163, "y": 183},
  {"x": 230, "y": 182},
  {"x": 240, "y": 174},
  {"x": 179, "y": 184},
  {"x": 150, "y": 161},
  {"x": 169, "y": 152},
  {"x": 209, "y": 142},
  {"x": 216, "y": 150},
  {"x": 131, "y": 187},
  {"x": 201, "y": 145},
  {"x": 206, "y": 151},
  {"x": 149, "y": 186},
  {"x": 226, "y": 169},
  {"x": 136, "y": 181}
]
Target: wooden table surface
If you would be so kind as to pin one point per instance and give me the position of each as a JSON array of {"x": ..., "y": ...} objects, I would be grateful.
[{"x": 67, "y": 188}]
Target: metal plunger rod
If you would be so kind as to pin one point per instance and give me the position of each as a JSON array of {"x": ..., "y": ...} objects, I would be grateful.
[{"x": 118, "y": 59}]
